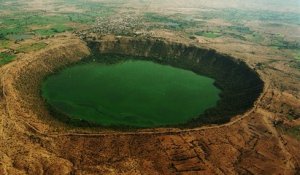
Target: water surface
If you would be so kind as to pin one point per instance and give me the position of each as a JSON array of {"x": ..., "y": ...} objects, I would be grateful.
[{"x": 133, "y": 93}]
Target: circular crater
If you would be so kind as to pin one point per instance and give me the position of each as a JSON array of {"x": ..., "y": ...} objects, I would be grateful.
[{"x": 231, "y": 87}]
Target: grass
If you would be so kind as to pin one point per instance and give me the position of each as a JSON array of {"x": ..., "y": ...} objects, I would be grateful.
[
  {"x": 2, "y": 37},
  {"x": 32, "y": 47},
  {"x": 255, "y": 37},
  {"x": 53, "y": 30},
  {"x": 240, "y": 29},
  {"x": 19, "y": 23},
  {"x": 208, "y": 34},
  {"x": 237, "y": 36},
  {"x": 297, "y": 56},
  {"x": 280, "y": 42},
  {"x": 238, "y": 16},
  {"x": 6, "y": 58},
  {"x": 81, "y": 18},
  {"x": 92, "y": 10},
  {"x": 9, "y": 30},
  {"x": 238, "y": 32},
  {"x": 4, "y": 44},
  {"x": 153, "y": 17},
  {"x": 11, "y": 7},
  {"x": 294, "y": 132},
  {"x": 174, "y": 22},
  {"x": 244, "y": 33},
  {"x": 290, "y": 117},
  {"x": 45, "y": 32}
]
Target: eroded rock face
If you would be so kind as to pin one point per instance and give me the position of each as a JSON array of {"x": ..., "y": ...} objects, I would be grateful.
[{"x": 33, "y": 142}]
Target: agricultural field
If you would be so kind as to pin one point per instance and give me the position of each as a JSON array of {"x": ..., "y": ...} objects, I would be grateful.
[{"x": 21, "y": 20}]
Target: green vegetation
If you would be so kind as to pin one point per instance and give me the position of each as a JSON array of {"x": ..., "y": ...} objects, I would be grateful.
[
  {"x": 91, "y": 9},
  {"x": 293, "y": 131},
  {"x": 243, "y": 33},
  {"x": 4, "y": 44},
  {"x": 53, "y": 30},
  {"x": 154, "y": 17},
  {"x": 297, "y": 57},
  {"x": 290, "y": 117},
  {"x": 208, "y": 34},
  {"x": 13, "y": 6},
  {"x": 240, "y": 29},
  {"x": 2, "y": 36},
  {"x": 18, "y": 37},
  {"x": 82, "y": 18},
  {"x": 19, "y": 23},
  {"x": 174, "y": 22},
  {"x": 278, "y": 41},
  {"x": 6, "y": 58},
  {"x": 32, "y": 47},
  {"x": 239, "y": 16},
  {"x": 239, "y": 32},
  {"x": 255, "y": 37}
]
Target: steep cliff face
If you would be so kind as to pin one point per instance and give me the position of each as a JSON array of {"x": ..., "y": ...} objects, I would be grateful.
[{"x": 240, "y": 85}]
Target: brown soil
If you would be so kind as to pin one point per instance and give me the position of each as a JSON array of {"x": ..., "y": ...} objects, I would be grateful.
[{"x": 33, "y": 142}]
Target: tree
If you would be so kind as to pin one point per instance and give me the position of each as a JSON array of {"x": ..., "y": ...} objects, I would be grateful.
[{"x": 2, "y": 36}]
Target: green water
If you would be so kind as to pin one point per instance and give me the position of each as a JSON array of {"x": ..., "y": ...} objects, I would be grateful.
[{"x": 131, "y": 93}]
